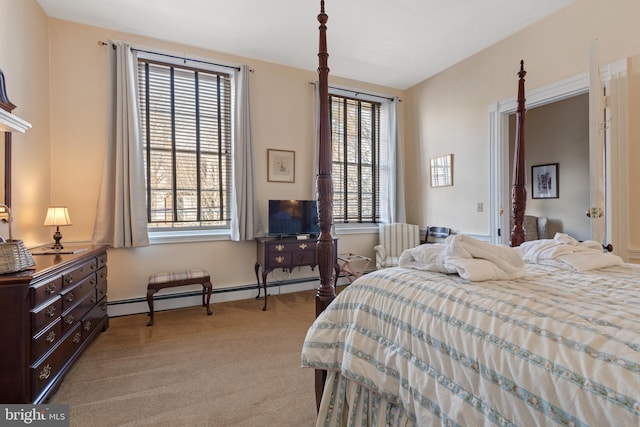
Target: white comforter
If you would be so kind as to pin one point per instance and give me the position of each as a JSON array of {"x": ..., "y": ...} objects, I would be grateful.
[
  {"x": 470, "y": 258},
  {"x": 566, "y": 252}
]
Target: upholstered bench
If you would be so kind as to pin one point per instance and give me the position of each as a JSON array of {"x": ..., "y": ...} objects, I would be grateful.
[{"x": 179, "y": 278}]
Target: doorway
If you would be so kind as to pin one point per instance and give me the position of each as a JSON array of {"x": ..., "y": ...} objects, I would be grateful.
[
  {"x": 557, "y": 134},
  {"x": 613, "y": 78}
]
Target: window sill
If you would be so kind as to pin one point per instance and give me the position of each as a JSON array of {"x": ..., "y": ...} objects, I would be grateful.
[
  {"x": 190, "y": 236},
  {"x": 345, "y": 229}
]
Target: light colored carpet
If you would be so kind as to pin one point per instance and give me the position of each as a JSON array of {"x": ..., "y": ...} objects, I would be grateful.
[{"x": 238, "y": 367}]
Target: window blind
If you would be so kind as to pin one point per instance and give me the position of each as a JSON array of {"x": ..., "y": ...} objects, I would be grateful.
[
  {"x": 186, "y": 128},
  {"x": 355, "y": 138}
]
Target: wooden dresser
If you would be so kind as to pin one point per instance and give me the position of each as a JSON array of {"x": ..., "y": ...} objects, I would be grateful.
[
  {"x": 287, "y": 253},
  {"x": 48, "y": 316}
]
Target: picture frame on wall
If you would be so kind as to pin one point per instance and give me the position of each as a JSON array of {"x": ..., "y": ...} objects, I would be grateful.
[
  {"x": 281, "y": 165},
  {"x": 441, "y": 171},
  {"x": 544, "y": 181}
]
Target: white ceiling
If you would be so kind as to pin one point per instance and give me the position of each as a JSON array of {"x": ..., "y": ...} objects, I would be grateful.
[{"x": 395, "y": 43}]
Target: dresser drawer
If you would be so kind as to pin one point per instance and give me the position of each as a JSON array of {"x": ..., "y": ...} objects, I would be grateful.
[
  {"x": 46, "y": 313},
  {"x": 42, "y": 292},
  {"x": 279, "y": 260},
  {"x": 95, "y": 316},
  {"x": 73, "y": 315},
  {"x": 46, "y": 339},
  {"x": 304, "y": 258},
  {"x": 72, "y": 294},
  {"x": 47, "y": 369},
  {"x": 102, "y": 260},
  {"x": 72, "y": 277},
  {"x": 101, "y": 286},
  {"x": 297, "y": 246}
]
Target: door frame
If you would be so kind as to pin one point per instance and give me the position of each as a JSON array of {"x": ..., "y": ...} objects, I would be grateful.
[{"x": 500, "y": 183}]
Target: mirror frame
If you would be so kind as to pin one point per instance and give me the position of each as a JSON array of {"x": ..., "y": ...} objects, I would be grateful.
[{"x": 6, "y": 105}]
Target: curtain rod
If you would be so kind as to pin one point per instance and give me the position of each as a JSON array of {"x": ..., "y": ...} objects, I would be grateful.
[
  {"x": 359, "y": 92},
  {"x": 101, "y": 43}
]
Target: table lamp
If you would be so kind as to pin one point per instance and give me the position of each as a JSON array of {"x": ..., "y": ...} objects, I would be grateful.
[{"x": 57, "y": 215}]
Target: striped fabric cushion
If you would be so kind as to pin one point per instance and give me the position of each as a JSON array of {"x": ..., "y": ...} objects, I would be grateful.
[
  {"x": 399, "y": 236},
  {"x": 173, "y": 276}
]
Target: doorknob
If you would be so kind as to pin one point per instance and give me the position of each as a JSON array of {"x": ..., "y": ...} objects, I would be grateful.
[{"x": 594, "y": 213}]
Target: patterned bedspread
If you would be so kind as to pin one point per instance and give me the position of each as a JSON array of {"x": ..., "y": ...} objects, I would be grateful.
[{"x": 554, "y": 347}]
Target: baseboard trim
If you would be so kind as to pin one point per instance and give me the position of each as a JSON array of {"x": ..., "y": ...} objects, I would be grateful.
[{"x": 194, "y": 298}]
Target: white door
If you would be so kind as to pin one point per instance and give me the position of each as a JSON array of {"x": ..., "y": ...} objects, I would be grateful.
[{"x": 597, "y": 211}]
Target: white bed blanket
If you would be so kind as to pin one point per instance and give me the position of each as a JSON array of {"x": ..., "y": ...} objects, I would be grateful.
[
  {"x": 566, "y": 252},
  {"x": 470, "y": 258}
]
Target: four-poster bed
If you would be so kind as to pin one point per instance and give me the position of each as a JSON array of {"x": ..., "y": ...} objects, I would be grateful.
[{"x": 552, "y": 341}]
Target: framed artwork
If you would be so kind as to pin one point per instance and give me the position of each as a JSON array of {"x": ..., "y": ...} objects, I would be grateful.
[
  {"x": 441, "y": 170},
  {"x": 544, "y": 181},
  {"x": 281, "y": 165}
]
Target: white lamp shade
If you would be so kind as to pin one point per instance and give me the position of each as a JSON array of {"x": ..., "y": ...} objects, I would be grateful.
[{"x": 57, "y": 215}]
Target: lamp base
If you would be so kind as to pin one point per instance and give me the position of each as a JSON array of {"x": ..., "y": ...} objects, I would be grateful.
[{"x": 57, "y": 236}]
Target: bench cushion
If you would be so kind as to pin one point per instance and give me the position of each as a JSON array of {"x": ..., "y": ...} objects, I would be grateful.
[{"x": 172, "y": 276}]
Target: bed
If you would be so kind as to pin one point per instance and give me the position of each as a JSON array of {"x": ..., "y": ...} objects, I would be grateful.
[{"x": 465, "y": 334}]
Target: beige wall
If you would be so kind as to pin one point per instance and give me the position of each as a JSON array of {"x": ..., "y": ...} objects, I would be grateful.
[
  {"x": 449, "y": 112},
  {"x": 70, "y": 65},
  {"x": 24, "y": 59}
]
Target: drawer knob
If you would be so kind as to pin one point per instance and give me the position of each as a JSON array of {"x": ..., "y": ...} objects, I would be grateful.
[
  {"x": 51, "y": 337},
  {"x": 51, "y": 311},
  {"x": 87, "y": 325},
  {"x": 77, "y": 338},
  {"x": 50, "y": 289},
  {"x": 45, "y": 373},
  {"x": 279, "y": 259},
  {"x": 69, "y": 319},
  {"x": 279, "y": 248},
  {"x": 68, "y": 279},
  {"x": 93, "y": 299},
  {"x": 93, "y": 281},
  {"x": 69, "y": 297},
  {"x": 303, "y": 246}
]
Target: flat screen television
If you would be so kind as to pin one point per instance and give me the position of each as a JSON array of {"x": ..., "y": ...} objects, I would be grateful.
[{"x": 293, "y": 217}]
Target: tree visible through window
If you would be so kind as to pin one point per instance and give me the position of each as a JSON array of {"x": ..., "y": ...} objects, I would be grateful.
[
  {"x": 355, "y": 139},
  {"x": 186, "y": 129}
]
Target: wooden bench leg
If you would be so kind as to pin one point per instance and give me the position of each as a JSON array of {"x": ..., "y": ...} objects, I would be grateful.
[
  {"x": 150, "y": 293},
  {"x": 207, "y": 287}
]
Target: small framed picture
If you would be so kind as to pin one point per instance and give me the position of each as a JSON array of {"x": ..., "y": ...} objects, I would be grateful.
[
  {"x": 544, "y": 181},
  {"x": 281, "y": 165}
]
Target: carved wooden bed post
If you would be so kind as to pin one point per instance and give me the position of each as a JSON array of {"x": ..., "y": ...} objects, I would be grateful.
[
  {"x": 326, "y": 291},
  {"x": 518, "y": 189}
]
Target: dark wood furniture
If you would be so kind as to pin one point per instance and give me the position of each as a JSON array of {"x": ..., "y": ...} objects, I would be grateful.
[
  {"x": 179, "y": 278},
  {"x": 288, "y": 253},
  {"x": 48, "y": 317},
  {"x": 326, "y": 291}
]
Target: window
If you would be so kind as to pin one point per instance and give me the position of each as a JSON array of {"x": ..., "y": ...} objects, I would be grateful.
[
  {"x": 356, "y": 152},
  {"x": 186, "y": 132}
]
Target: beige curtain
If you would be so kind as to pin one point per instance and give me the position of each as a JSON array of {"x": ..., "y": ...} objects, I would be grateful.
[
  {"x": 245, "y": 215},
  {"x": 121, "y": 214}
]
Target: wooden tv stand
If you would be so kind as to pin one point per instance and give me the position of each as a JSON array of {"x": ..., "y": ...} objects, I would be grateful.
[{"x": 287, "y": 253}]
